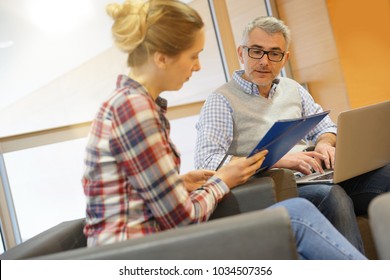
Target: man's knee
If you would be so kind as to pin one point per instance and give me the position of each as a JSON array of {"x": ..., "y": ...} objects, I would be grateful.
[
  {"x": 327, "y": 197},
  {"x": 337, "y": 197},
  {"x": 316, "y": 194}
]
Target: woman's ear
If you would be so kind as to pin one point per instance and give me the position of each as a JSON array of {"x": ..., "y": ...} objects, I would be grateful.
[{"x": 160, "y": 60}]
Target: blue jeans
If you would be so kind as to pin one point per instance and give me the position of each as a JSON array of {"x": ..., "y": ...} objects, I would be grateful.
[
  {"x": 316, "y": 238},
  {"x": 333, "y": 202},
  {"x": 363, "y": 188}
]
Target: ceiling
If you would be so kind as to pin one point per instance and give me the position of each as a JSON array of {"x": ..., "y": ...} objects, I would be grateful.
[{"x": 41, "y": 40}]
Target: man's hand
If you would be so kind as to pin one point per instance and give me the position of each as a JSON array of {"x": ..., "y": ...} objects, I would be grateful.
[
  {"x": 196, "y": 178},
  {"x": 326, "y": 146},
  {"x": 303, "y": 162},
  {"x": 328, "y": 151}
]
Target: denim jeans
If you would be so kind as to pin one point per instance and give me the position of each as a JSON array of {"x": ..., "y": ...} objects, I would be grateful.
[
  {"x": 333, "y": 202},
  {"x": 316, "y": 238},
  {"x": 363, "y": 188}
]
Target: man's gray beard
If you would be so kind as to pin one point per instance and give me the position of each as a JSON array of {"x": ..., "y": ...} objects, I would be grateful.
[{"x": 264, "y": 84}]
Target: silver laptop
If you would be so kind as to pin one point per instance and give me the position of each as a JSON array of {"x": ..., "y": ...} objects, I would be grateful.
[{"x": 363, "y": 144}]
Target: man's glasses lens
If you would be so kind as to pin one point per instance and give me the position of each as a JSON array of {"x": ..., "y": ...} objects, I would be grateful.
[{"x": 258, "y": 54}]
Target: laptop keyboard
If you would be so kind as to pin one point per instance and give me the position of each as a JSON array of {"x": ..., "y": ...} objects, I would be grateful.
[{"x": 323, "y": 177}]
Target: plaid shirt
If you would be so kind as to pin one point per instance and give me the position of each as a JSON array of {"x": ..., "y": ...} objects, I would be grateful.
[
  {"x": 215, "y": 126},
  {"x": 131, "y": 179}
]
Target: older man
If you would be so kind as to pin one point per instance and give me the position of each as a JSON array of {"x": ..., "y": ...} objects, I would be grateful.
[{"x": 239, "y": 113}]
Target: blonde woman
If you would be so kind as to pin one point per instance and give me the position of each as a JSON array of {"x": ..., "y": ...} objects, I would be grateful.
[{"x": 131, "y": 179}]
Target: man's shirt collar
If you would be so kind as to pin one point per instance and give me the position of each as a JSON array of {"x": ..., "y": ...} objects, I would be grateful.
[{"x": 251, "y": 88}]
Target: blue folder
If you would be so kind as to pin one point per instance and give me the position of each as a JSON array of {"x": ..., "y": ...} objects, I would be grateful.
[{"x": 283, "y": 136}]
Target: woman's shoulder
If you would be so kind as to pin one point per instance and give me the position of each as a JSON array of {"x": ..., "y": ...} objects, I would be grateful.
[{"x": 132, "y": 98}]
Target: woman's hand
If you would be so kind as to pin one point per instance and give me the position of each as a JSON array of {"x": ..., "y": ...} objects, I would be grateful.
[
  {"x": 196, "y": 178},
  {"x": 239, "y": 170}
]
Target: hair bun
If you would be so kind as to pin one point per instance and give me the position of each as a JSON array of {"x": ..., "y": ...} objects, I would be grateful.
[
  {"x": 129, "y": 28},
  {"x": 142, "y": 27},
  {"x": 114, "y": 10}
]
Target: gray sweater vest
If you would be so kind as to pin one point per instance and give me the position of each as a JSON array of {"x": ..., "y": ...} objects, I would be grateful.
[{"x": 254, "y": 115}]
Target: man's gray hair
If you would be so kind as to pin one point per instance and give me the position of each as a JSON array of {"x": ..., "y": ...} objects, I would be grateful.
[{"x": 270, "y": 25}]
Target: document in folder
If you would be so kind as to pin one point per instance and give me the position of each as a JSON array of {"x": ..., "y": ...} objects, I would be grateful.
[{"x": 283, "y": 136}]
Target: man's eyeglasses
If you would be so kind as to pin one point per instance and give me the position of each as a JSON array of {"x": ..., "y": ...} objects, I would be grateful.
[{"x": 257, "y": 53}]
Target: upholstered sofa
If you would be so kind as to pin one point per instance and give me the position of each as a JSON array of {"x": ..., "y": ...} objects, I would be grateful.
[{"x": 254, "y": 234}]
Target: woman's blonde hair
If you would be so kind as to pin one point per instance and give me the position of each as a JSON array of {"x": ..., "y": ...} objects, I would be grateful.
[{"x": 143, "y": 27}]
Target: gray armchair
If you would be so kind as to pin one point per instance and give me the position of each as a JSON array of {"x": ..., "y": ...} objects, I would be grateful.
[
  {"x": 379, "y": 213},
  {"x": 254, "y": 234}
]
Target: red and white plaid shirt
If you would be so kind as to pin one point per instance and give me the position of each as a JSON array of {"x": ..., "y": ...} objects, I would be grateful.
[{"x": 131, "y": 179}]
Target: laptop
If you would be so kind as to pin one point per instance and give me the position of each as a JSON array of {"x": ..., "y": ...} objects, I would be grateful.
[{"x": 363, "y": 144}]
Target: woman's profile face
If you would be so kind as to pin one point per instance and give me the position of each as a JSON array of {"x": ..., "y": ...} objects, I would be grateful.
[{"x": 180, "y": 68}]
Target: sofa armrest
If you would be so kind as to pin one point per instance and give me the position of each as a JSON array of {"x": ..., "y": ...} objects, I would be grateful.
[
  {"x": 256, "y": 194},
  {"x": 379, "y": 218},
  {"x": 285, "y": 184},
  {"x": 64, "y": 236},
  {"x": 256, "y": 235}
]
